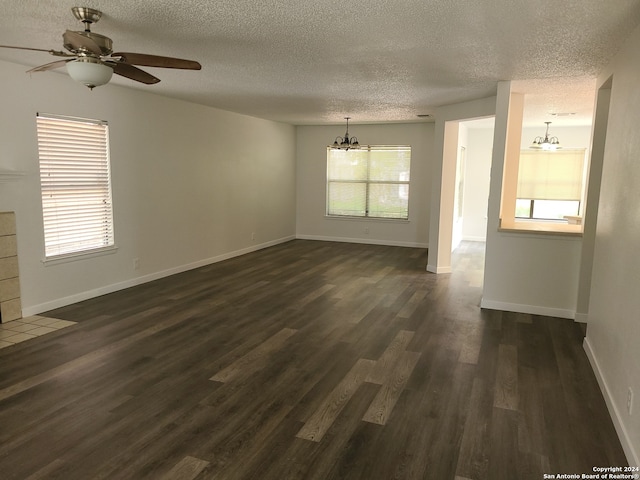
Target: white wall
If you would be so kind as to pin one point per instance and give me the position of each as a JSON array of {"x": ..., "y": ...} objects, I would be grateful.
[
  {"x": 312, "y": 222},
  {"x": 476, "y": 185},
  {"x": 190, "y": 184},
  {"x": 525, "y": 272},
  {"x": 613, "y": 334},
  {"x": 590, "y": 210},
  {"x": 457, "y": 221}
]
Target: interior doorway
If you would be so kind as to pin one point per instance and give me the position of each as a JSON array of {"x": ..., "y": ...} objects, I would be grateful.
[{"x": 473, "y": 169}]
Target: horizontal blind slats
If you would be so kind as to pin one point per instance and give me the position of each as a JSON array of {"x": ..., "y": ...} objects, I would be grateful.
[
  {"x": 75, "y": 184},
  {"x": 369, "y": 182}
]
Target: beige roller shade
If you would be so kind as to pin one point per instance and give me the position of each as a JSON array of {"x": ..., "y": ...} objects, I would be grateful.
[{"x": 556, "y": 175}]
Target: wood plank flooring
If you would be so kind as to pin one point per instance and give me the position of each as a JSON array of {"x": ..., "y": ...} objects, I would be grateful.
[{"x": 307, "y": 360}]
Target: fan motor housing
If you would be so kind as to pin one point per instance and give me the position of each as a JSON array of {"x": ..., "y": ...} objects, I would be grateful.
[{"x": 105, "y": 43}]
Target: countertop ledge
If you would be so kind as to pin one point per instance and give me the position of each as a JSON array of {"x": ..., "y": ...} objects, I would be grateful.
[{"x": 542, "y": 228}]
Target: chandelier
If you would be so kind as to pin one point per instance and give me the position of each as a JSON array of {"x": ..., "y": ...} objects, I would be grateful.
[
  {"x": 546, "y": 142},
  {"x": 345, "y": 143}
]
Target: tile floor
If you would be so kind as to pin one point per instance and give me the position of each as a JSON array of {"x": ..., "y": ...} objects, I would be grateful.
[{"x": 27, "y": 328}]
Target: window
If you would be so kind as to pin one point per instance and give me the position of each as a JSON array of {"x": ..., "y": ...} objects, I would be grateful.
[
  {"x": 75, "y": 185},
  {"x": 550, "y": 184},
  {"x": 369, "y": 182}
]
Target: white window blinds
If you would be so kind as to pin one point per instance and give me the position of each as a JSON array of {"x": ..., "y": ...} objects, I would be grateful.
[
  {"x": 369, "y": 182},
  {"x": 556, "y": 175},
  {"x": 76, "y": 185}
]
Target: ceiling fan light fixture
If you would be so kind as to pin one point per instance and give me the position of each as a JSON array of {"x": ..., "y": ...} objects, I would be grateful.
[
  {"x": 346, "y": 142},
  {"x": 89, "y": 72},
  {"x": 90, "y": 59},
  {"x": 546, "y": 142}
]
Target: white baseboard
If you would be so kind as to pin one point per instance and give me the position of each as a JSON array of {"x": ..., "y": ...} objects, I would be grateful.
[
  {"x": 470, "y": 238},
  {"x": 79, "y": 297},
  {"x": 582, "y": 317},
  {"x": 434, "y": 269},
  {"x": 366, "y": 241},
  {"x": 633, "y": 457},
  {"x": 530, "y": 309}
]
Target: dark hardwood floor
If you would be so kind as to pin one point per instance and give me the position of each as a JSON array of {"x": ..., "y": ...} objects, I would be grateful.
[{"x": 308, "y": 360}]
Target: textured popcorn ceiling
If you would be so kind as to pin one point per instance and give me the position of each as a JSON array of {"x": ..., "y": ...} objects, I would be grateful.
[{"x": 313, "y": 62}]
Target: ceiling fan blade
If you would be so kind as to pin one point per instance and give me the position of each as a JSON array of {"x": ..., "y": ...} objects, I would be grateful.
[
  {"x": 134, "y": 73},
  {"x": 57, "y": 53},
  {"x": 157, "y": 61},
  {"x": 79, "y": 42},
  {"x": 49, "y": 66}
]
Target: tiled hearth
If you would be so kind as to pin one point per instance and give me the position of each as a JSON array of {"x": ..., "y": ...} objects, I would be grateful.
[
  {"x": 27, "y": 328},
  {"x": 13, "y": 327},
  {"x": 10, "y": 304}
]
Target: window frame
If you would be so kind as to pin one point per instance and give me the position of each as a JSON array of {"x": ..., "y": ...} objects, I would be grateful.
[
  {"x": 368, "y": 182},
  {"x": 75, "y": 187},
  {"x": 532, "y": 203}
]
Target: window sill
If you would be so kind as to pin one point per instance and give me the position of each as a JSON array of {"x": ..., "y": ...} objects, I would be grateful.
[
  {"x": 367, "y": 219},
  {"x": 72, "y": 257},
  {"x": 543, "y": 228}
]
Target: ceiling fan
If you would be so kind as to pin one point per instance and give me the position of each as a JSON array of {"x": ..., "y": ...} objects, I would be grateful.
[{"x": 92, "y": 62}]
